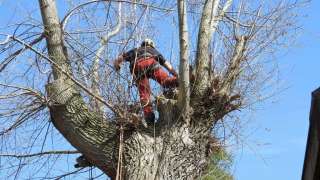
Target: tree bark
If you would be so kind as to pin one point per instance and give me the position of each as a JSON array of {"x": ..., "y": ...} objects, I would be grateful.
[
  {"x": 170, "y": 151},
  {"x": 54, "y": 38},
  {"x": 234, "y": 67},
  {"x": 209, "y": 13},
  {"x": 209, "y": 22},
  {"x": 93, "y": 136},
  {"x": 184, "y": 83}
]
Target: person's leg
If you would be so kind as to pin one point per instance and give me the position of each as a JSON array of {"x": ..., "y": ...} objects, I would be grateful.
[
  {"x": 162, "y": 77},
  {"x": 144, "y": 93}
]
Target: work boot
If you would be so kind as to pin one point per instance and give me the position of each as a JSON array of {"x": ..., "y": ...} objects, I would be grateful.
[
  {"x": 149, "y": 118},
  {"x": 170, "y": 93},
  {"x": 192, "y": 78},
  {"x": 82, "y": 161}
]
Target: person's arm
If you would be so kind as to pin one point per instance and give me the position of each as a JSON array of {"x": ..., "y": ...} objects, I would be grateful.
[
  {"x": 122, "y": 57},
  {"x": 117, "y": 63},
  {"x": 164, "y": 62},
  {"x": 169, "y": 67}
]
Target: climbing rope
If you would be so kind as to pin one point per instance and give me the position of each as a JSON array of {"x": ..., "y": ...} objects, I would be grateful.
[
  {"x": 119, "y": 168},
  {"x": 91, "y": 173}
]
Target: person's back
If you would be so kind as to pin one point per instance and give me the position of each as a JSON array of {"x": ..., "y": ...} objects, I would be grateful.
[{"x": 142, "y": 52}]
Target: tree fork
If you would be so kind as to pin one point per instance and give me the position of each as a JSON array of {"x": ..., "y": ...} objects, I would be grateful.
[{"x": 175, "y": 151}]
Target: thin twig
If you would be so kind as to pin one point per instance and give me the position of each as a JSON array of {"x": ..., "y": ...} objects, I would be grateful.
[
  {"x": 5, "y": 41},
  {"x": 39, "y": 154},
  {"x": 120, "y": 114}
]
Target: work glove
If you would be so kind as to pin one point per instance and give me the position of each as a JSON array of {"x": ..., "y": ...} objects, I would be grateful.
[
  {"x": 116, "y": 65},
  {"x": 174, "y": 73}
]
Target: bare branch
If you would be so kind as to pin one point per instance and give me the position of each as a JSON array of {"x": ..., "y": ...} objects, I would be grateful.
[
  {"x": 7, "y": 60},
  {"x": 70, "y": 13},
  {"x": 39, "y": 154},
  {"x": 184, "y": 87},
  {"x": 65, "y": 175},
  {"x": 209, "y": 22},
  {"x": 4, "y": 42},
  {"x": 215, "y": 21},
  {"x": 96, "y": 61},
  {"x": 30, "y": 110},
  {"x": 234, "y": 65},
  {"x": 71, "y": 77}
]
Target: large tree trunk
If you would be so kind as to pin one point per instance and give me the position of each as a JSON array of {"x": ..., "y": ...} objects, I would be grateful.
[{"x": 171, "y": 150}]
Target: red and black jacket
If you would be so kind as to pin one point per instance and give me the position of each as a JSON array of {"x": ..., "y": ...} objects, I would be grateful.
[{"x": 135, "y": 55}]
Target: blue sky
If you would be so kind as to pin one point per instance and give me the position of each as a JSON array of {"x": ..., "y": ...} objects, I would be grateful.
[
  {"x": 278, "y": 131},
  {"x": 283, "y": 125}
]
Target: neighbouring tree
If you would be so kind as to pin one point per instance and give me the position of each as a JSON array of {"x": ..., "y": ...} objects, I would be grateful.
[{"x": 56, "y": 78}]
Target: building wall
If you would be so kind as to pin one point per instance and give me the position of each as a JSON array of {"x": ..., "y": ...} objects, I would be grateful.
[{"x": 311, "y": 167}]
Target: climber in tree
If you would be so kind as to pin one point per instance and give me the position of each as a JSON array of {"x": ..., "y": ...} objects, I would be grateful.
[{"x": 145, "y": 63}]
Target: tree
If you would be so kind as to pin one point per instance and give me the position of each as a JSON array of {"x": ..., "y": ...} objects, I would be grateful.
[{"x": 93, "y": 107}]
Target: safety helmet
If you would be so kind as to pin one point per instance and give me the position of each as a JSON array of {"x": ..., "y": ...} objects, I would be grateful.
[{"x": 147, "y": 42}]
